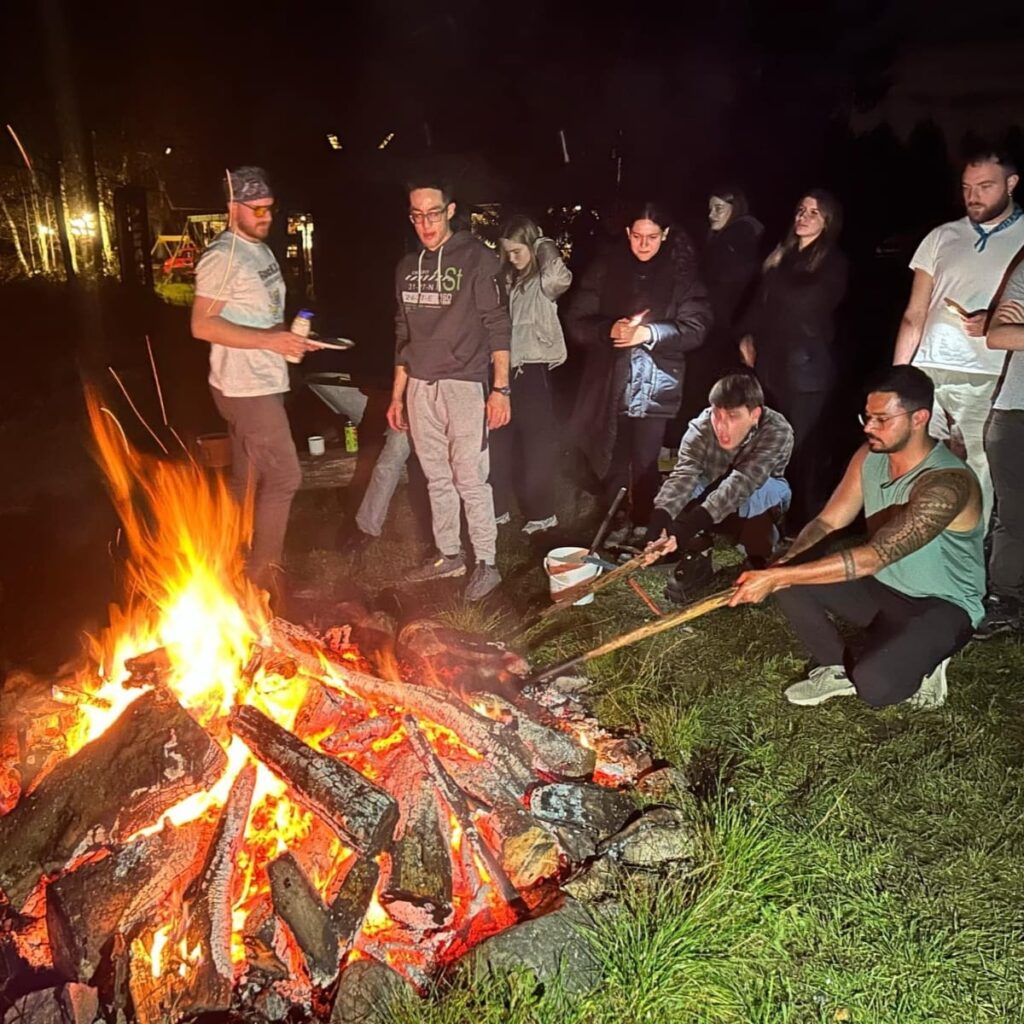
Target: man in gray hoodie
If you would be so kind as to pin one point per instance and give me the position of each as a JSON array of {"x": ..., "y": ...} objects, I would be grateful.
[{"x": 451, "y": 325}]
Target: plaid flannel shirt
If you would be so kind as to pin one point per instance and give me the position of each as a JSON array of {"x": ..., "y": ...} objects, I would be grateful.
[{"x": 732, "y": 476}]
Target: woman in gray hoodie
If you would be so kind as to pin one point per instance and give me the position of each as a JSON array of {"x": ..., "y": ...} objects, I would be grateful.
[{"x": 523, "y": 454}]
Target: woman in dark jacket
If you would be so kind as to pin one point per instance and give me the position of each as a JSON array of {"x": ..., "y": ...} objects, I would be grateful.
[
  {"x": 636, "y": 313},
  {"x": 789, "y": 335}
]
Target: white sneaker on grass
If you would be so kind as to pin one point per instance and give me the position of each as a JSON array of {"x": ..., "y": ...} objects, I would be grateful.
[
  {"x": 484, "y": 579},
  {"x": 539, "y": 525},
  {"x": 503, "y": 520},
  {"x": 933, "y": 689},
  {"x": 440, "y": 567},
  {"x": 822, "y": 684}
]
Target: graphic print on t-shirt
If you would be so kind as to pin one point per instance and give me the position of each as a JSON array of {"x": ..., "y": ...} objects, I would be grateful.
[{"x": 423, "y": 288}]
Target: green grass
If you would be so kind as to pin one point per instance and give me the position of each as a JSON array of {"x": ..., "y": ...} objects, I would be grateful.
[
  {"x": 863, "y": 865},
  {"x": 175, "y": 293}
]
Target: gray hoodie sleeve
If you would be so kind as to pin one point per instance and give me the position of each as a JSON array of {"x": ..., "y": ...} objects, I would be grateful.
[
  {"x": 401, "y": 321},
  {"x": 555, "y": 276},
  {"x": 490, "y": 304}
]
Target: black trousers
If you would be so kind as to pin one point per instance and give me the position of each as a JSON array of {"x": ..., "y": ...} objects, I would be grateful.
[
  {"x": 524, "y": 453},
  {"x": 807, "y": 473},
  {"x": 635, "y": 464},
  {"x": 1004, "y": 443},
  {"x": 906, "y": 637}
]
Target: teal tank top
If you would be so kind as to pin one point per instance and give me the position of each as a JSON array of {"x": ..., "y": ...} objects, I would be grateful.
[{"x": 950, "y": 566}]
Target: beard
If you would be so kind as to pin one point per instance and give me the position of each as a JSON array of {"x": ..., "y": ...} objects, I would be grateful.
[
  {"x": 879, "y": 447},
  {"x": 983, "y": 214}
]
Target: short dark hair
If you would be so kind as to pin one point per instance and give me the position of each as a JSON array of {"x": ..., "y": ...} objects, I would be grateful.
[
  {"x": 982, "y": 152},
  {"x": 735, "y": 390},
  {"x": 912, "y": 386},
  {"x": 436, "y": 182}
]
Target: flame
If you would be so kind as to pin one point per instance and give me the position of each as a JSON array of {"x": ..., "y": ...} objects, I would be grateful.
[{"x": 190, "y": 600}]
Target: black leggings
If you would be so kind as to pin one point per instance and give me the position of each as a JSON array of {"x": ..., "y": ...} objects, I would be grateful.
[
  {"x": 906, "y": 636},
  {"x": 634, "y": 464}
]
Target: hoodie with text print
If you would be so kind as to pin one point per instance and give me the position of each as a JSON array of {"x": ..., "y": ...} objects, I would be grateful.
[{"x": 451, "y": 313}]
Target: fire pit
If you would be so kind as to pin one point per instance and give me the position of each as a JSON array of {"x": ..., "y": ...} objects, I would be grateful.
[{"x": 224, "y": 811}]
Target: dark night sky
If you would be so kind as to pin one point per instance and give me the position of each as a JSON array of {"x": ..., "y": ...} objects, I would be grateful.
[{"x": 697, "y": 91}]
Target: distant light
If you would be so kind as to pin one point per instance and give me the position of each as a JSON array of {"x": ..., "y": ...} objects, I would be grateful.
[
  {"x": 576, "y": 209},
  {"x": 387, "y": 138},
  {"x": 167, "y": 151},
  {"x": 333, "y": 140},
  {"x": 83, "y": 226},
  {"x": 43, "y": 229}
]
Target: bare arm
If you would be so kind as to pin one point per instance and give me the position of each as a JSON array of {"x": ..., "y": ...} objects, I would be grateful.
[
  {"x": 396, "y": 410},
  {"x": 908, "y": 337},
  {"x": 209, "y": 325},
  {"x": 936, "y": 501},
  {"x": 1007, "y": 330},
  {"x": 840, "y": 510}
]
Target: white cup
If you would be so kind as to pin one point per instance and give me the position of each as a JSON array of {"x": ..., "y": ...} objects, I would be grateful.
[{"x": 316, "y": 444}]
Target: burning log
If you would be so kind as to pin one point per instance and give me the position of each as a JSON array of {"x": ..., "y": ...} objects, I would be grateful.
[
  {"x": 149, "y": 759},
  {"x": 554, "y": 751},
  {"x": 86, "y": 908},
  {"x": 498, "y": 744},
  {"x": 457, "y": 801},
  {"x": 300, "y": 907},
  {"x": 206, "y": 933},
  {"x": 353, "y": 900},
  {"x": 432, "y": 654},
  {"x": 419, "y": 891},
  {"x": 362, "y": 814}
]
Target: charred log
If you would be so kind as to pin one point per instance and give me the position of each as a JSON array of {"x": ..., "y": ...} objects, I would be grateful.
[
  {"x": 85, "y": 909},
  {"x": 299, "y": 905},
  {"x": 419, "y": 890},
  {"x": 148, "y": 760},
  {"x": 353, "y": 900},
  {"x": 362, "y": 814}
]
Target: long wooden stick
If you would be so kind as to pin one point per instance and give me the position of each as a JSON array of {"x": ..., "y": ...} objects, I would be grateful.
[{"x": 666, "y": 622}]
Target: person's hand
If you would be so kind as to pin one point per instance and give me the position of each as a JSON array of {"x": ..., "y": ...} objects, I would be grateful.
[
  {"x": 754, "y": 587},
  {"x": 291, "y": 346},
  {"x": 396, "y": 415},
  {"x": 747, "y": 351},
  {"x": 499, "y": 410},
  {"x": 974, "y": 324},
  {"x": 659, "y": 548},
  {"x": 626, "y": 334}
]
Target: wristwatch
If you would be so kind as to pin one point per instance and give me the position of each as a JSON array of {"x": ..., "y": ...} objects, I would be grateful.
[{"x": 506, "y": 391}]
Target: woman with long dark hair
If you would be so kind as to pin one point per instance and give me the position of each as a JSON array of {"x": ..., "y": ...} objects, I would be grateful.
[
  {"x": 789, "y": 334},
  {"x": 636, "y": 313},
  {"x": 523, "y": 454}
]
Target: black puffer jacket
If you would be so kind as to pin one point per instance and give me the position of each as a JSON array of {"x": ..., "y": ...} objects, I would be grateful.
[{"x": 644, "y": 380}]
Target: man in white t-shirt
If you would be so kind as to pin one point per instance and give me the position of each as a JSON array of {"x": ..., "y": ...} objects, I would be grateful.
[
  {"x": 239, "y": 310},
  {"x": 1004, "y": 444},
  {"x": 958, "y": 270}
]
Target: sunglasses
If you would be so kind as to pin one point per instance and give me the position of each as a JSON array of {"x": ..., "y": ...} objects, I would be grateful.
[{"x": 258, "y": 210}]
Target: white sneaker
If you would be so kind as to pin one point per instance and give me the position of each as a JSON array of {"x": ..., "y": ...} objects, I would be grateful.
[
  {"x": 503, "y": 520},
  {"x": 822, "y": 684},
  {"x": 539, "y": 525},
  {"x": 933, "y": 690}
]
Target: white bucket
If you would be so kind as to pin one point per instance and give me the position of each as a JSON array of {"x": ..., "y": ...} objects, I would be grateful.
[{"x": 560, "y": 581}]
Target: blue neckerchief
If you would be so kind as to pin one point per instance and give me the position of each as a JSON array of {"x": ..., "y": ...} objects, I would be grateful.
[{"x": 984, "y": 236}]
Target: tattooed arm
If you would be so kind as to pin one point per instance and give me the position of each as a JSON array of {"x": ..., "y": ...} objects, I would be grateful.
[{"x": 938, "y": 500}]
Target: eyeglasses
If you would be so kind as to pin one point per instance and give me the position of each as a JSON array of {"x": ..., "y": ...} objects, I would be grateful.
[
  {"x": 879, "y": 421},
  {"x": 428, "y": 217},
  {"x": 258, "y": 211}
]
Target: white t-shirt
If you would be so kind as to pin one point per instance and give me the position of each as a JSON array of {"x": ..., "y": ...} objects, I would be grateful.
[
  {"x": 246, "y": 277},
  {"x": 1011, "y": 394},
  {"x": 972, "y": 279}
]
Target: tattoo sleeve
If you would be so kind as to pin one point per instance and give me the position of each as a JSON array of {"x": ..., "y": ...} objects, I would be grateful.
[{"x": 935, "y": 501}]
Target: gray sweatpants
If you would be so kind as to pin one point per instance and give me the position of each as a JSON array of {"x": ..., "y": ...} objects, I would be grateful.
[
  {"x": 263, "y": 456},
  {"x": 449, "y": 432},
  {"x": 387, "y": 471}
]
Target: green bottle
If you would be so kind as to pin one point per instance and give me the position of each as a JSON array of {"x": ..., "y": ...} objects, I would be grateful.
[{"x": 351, "y": 437}]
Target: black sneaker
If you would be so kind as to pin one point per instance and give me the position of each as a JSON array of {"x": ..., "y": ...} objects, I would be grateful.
[
  {"x": 356, "y": 543},
  {"x": 693, "y": 572},
  {"x": 1002, "y": 617}
]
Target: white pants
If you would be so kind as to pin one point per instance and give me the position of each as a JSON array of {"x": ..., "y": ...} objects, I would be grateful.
[{"x": 963, "y": 402}]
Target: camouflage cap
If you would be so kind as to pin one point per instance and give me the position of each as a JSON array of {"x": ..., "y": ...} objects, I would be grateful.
[{"x": 248, "y": 184}]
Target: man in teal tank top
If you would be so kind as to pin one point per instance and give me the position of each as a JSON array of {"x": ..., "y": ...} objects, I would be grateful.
[{"x": 915, "y": 585}]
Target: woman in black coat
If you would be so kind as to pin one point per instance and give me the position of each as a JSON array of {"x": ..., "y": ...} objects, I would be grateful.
[
  {"x": 636, "y": 313},
  {"x": 789, "y": 335}
]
